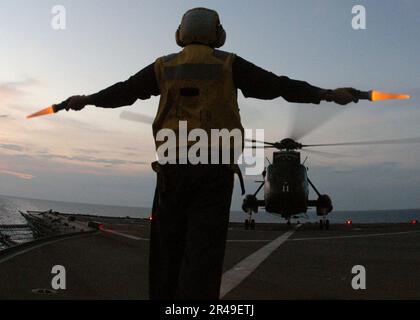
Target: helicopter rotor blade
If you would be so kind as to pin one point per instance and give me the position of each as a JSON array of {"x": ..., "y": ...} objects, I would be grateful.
[
  {"x": 259, "y": 147},
  {"x": 364, "y": 143},
  {"x": 258, "y": 141},
  {"x": 325, "y": 154},
  {"x": 303, "y": 119}
]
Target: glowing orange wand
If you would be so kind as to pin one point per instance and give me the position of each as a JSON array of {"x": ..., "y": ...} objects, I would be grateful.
[
  {"x": 50, "y": 110},
  {"x": 374, "y": 95}
]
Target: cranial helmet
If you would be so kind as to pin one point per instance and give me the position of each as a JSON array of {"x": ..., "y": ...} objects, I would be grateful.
[{"x": 202, "y": 26}]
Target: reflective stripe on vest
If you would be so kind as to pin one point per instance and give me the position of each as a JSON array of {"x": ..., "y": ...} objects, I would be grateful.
[{"x": 194, "y": 71}]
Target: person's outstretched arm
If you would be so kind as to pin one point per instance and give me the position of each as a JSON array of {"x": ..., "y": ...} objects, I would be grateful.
[
  {"x": 142, "y": 85},
  {"x": 255, "y": 82}
]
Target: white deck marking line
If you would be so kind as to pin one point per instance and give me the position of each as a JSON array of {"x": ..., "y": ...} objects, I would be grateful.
[
  {"x": 233, "y": 277},
  {"x": 46, "y": 243},
  {"x": 369, "y": 235},
  {"x": 129, "y": 236}
]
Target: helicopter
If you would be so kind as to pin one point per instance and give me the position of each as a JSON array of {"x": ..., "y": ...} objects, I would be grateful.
[{"x": 286, "y": 182}]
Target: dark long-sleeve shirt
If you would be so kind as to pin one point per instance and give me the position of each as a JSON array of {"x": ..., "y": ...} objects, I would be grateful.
[{"x": 253, "y": 81}]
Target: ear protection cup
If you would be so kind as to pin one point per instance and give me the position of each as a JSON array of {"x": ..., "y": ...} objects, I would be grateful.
[
  {"x": 178, "y": 38},
  {"x": 221, "y": 37}
]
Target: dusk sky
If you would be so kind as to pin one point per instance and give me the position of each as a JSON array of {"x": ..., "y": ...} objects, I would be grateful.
[{"x": 94, "y": 156}]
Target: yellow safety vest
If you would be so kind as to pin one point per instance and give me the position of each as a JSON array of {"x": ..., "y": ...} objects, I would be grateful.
[{"x": 196, "y": 85}]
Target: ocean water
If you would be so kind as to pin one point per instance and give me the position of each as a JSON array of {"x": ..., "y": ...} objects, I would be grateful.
[{"x": 10, "y": 207}]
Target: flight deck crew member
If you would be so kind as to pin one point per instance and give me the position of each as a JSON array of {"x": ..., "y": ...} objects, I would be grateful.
[{"x": 192, "y": 202}]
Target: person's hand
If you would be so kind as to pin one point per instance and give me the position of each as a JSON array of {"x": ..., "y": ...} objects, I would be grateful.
[
  {"x": 343, "y": 96},
  {"x": 76, "y": 103}
]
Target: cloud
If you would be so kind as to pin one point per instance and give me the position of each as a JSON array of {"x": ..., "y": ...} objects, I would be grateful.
[
  {"x": 17, "y": 88},
  {"x": 80, "y": 125},
  {"x": 21, "y": 175},
  {"x": 106, "y": 161},
  {"x": 88, "y": 151},
  {"x": 11, "y": 147}
]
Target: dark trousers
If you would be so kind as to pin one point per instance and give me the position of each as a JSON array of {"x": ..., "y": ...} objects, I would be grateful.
[{"x": 189, "y": 227}]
